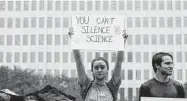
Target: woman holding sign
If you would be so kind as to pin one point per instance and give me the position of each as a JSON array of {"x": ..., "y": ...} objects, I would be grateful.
[{"x": 98, "y": 89}]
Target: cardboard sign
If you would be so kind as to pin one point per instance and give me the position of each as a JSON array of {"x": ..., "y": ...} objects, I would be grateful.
[
  {"x": 98, "y": 32},
  {"x": 162, "y": 99}
]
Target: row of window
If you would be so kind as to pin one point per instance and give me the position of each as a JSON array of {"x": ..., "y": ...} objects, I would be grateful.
[
  {"x": 92, "y": 5},
  {"x": 57, "y": 39},
  {"x": 56, "y": 22},
  {"x": 67, "y": 57}
]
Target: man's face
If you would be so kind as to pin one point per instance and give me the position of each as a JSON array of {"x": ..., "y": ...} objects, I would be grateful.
[
  {"x": 166, "y": 66},
  {"x": 100, "y": 70}
]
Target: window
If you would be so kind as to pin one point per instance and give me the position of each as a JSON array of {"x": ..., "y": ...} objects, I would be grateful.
[
  {"x": 17, "y": 57},
  {"x": 25, "y": 39},
  {"x": 179, "y": 74},
  {"x": 57, "y": 73},
  {"x": 145, "y": 4},
  {"x": 33, "y": 22},
  {"x": 177, "y": 5},
  {"x": 2, "y": 5},
  {"x": 161, "y": 5},
  {"x": 137, "y": 5},
  {"x": 8, "y": 57},
  {"x": 105, "y": 5},
  {"x": 18, "y": 23},
  {"x": 49, "y": 39},
  {"x": 10, "y": 5},
  {"x": 50, "y": 5},
  {"x": 57, "y": 5},
  {"x": 130, "y": 57},
  {"x": 41, "y": 22},
  {"x": 10, "y": 23},
  {"x": 25, "y": 22},
  {"x": 185, "y": 56},
  {"x": 65, "y": 22},
  {"x": 24, "y": 57},
  {"x": 65, "y": 73},
  {"x": 2, "y": 22},
  {"x": 138, "y": 39},
  {"x": 114, "y": 57},
  {"x": 121, "y": 5},
  {"x": 129, "y": 22},
  {"x": 138, "y": 74},
  {"x": 105, "y": 55},
  {"x": 34, "y": 5},
  {"x": 26, "y": 5},
  {"x": 65, "y": 40},
  {"x": 73, "y": 5},
  {"x": 137, "y": 21},
  {"x": 162, "y": 39},
  {"x": 178, "y": 39},
  {"x": 138, "y": 57},
  {"x": 169, "y": 5},
  {"x": 170, "y": 39},
  {"x": 161, "y": 22},
  {"x": 153, "y": 22},
  {"x": 42, "y": 5},
  {"x": 18, "y": 5},
  {"x": 1, "y": 57},
  {"x": 57, "y": 40},
  {"x": 145, "y": 39},
  {"x": 40, "y": 57},
  {"x": 185, "y": 5},
  {"x": 130, "y": 75},
  {"x": 129, "y": 5},
  {"x": 33, "y": 39},
  {"x": 89, "y": 56},
  {"x": 153, "y": 5},
  {"x": 130, "y": 94},
  {"x": 17, "y": 39},
  {"x": 73, "y": 73},
  {"x": 145, "y": 22},
  {"x": 170, "y": 22},
  {"x": 185, "y": 38},
  {"x": 97, "y": 5},
  {"x": 113, "y": 5},
  {"x": 82, "y": 56},
  {"x": 178, "y": 21},
  {"x": 57, "y": 23},
  {"x": 154, "y": 39},
  {"x": 41, "y": 39},
  {"x": 9, "y": 39},
  {"x": 57, "y": 56},
  {"x": 65, "y": 5},
  {"x": 146, "y": 56},
  {"x": 123, "y": 74},
  {"x": 179, "y": 56},
  {"x": 65, "y": 57},
  {"x": 129, "y": 41},
  {"x": 32, "y": 57},
  {"x": 97, "y": 54},
  {"x": 2, "y": 39},
  {"x": 72, "y": 57},
  {"x": 49, "y": 57},
  {"x": 146, "y": 74},
  {"x": 81, "y": 5},
  {"x": 185, "y": 21},
  {"x": 48, "y": 72},
  {"x": 122, "y": 94},
  {"x": 49, "y": 22}
]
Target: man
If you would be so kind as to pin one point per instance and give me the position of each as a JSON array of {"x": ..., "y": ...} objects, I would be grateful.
[
  {"x": 162, "y": 85},
  {"x": 98, "y": 89}
]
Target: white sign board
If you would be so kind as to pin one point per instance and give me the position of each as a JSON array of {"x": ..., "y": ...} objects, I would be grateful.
[
  {"x": 97, "y": 32},
  {"x": 162, "y": 99}
]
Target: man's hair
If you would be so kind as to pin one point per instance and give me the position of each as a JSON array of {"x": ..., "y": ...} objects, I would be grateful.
[
  {"x": 99, "y": 58},
  {"x": 157, "y": 59}
]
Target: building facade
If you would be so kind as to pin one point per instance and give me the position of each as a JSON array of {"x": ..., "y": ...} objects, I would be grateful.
[{"x": 34, "y": 34}]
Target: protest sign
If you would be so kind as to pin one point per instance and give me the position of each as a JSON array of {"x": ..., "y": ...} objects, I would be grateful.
[
  {"x": 162, "y": 99},
  {"x": 97, "y": 32}
]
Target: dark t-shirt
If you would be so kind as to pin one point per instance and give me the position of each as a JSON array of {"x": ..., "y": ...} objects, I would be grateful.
[{"x": 154, "y": 88}]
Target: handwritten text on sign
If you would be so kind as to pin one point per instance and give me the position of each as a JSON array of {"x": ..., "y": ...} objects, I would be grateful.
[{"x": 98, "y": 32}]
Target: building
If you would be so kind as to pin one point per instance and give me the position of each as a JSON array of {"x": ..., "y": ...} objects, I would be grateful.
[{"x": 33, "y": 34}]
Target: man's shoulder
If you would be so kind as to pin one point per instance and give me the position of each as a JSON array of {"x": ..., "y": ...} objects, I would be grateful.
[
  {"x": 148, "y": 82},
  {"x": 176, "y": 83}
]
